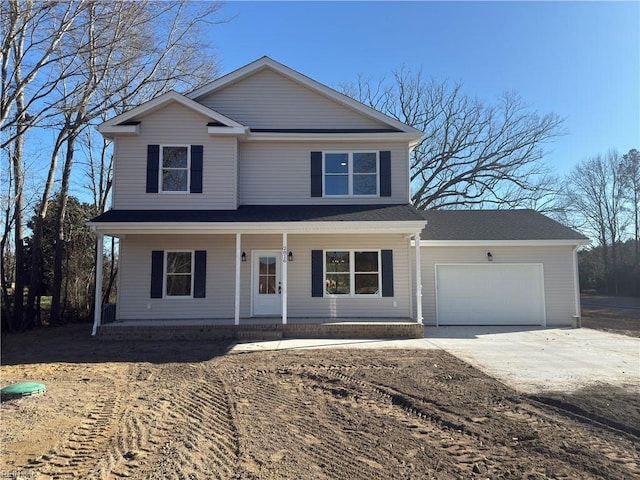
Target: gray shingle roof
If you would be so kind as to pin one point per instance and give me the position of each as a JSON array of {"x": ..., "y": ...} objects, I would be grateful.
[
  {"x": 269, "y": 213},
  {"x": 494, "y": 225}
]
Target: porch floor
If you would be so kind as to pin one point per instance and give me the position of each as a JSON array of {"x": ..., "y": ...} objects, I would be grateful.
[{"x": 254, "y": 321}]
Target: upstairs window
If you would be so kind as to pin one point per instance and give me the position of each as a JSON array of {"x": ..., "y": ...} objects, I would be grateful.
[
  {"x": 349, "y": 174},
  {"x": 175, "y": 169}
]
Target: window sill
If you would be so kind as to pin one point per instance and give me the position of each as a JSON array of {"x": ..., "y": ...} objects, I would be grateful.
[
  {"x": 351, "y": 196},
  {"x": 353, "y": 295}
]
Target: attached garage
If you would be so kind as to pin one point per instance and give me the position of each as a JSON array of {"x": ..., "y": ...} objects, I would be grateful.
[
  {"x": 498, "y": 267},
  {"x": 496, "y": 294}
]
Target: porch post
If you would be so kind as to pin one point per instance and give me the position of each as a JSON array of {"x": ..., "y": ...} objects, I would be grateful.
[
  {"x": 285, "y": 252},
  {"x": 237, "y": 300},
  {"x": 97, "y": 314},
  {"x": 418, "y": 280}
]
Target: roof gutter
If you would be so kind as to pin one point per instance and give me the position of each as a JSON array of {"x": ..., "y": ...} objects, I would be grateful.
[
  {"x": 328, "y": 227},
  {"x": 504, "y": 243}
]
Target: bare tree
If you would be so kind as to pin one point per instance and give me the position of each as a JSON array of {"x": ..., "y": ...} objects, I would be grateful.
[
  {"x": 631, "y": 183},
  {"x": 596, "y": 195},
  {"x": 117, "y": 68},
  {"x": 66, "y": 64},
  {"x": 472, "y": 153},
  {"x": 32, "y": 32}
]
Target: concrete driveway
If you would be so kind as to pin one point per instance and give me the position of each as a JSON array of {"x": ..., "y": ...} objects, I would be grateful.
[
  {"x": 535, "y": 360},
  {"x": 525, "y": 358}
]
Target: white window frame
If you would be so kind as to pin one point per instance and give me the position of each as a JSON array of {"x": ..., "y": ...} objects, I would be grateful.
[
  {"x": 165, "y": 274},
  {"x": 350, "y": 174},
  {"x": 352, "y": 273},
  {"x": 160, "y": 176}
]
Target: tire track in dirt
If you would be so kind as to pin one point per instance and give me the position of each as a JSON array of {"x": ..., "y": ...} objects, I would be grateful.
[
  {"x": 529, "y": 427},
  {"x": 320, "y": 444},
  {"x": 468, "y": 446},
  {"x": 464, "y": 448},
  {"x": 596, "y": 443},
  {"x": 78, "y": 454},
  {"x": 174, "y": 424},
  {"x": 188, "y": 434}
]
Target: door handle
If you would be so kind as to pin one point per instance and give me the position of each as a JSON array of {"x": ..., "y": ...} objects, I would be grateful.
[{"x": 279, "y": 287}]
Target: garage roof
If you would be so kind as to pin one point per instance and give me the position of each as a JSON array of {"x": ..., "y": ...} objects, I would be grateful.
[{"x": 494, "y": 225}]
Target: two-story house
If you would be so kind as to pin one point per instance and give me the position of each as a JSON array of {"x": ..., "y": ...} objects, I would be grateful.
[{"x": 266, "y": 197}]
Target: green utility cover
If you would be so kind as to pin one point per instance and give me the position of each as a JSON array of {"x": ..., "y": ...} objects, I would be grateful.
[{"x": 22, "y": 389}]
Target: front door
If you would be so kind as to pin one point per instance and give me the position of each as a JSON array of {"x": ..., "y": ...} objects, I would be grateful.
[{"x": 266, "y": 283}]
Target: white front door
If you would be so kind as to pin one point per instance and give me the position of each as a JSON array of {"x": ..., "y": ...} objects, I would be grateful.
[{"x": 266, "y": 283}]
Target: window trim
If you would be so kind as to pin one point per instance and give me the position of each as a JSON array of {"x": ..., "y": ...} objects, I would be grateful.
[
  {"x": 352, "y": 273},
  {"x": 165, "y": 273},
  {"x": 350, "y": 174},
  {"x": 161, "y": 170}
]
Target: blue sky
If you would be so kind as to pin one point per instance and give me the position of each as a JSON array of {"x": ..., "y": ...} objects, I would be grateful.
[{"x": 580, "y": 60}]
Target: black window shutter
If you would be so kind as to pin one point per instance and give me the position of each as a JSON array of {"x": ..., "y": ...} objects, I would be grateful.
[
  {"x": 385, "y": 173},
  {"x": 157, "y": 271},
  {"x": 387, "y": 273},
  {"x": 153, "y": 168},
  {"x": 316, "y": 174},
  {"x": 317, "y": 282},
  {"x": 200, "y": 274},
  {"x": 196, "y": 168}
]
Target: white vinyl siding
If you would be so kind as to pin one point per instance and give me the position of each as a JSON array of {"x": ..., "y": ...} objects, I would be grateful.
[
  {"x": 134, "y": 302},
  {"x": 268, "y": 100},
  {"x": 175, "y": 125},
  {"x": 276, "y": 173},
  {"x": 557, "y": 263}
]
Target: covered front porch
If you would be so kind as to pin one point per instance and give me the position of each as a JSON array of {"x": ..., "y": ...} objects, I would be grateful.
[{"x": 316, "y": 273}]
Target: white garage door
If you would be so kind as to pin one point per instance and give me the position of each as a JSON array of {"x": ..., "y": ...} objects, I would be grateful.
[{"x": 497, "y": 294}]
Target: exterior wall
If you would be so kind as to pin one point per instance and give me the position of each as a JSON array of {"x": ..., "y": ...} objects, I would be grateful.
[
  {"x": 268, "y": 100},
  {"x": 273, "y": 173},
  {"x": 559, "y": 283},
  {"x": 134, "y": 302},
  {"x": 175, "y": 125}
]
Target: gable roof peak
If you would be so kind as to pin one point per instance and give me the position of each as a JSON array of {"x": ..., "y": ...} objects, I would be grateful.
[
  {"x": 160, "y": 101},
  {"x": 266, "y": 62}
]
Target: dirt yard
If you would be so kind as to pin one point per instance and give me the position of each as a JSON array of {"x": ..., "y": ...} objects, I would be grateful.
[
  {"x": 624, "y": 322},
  {"x": 192, "y": 410}
]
